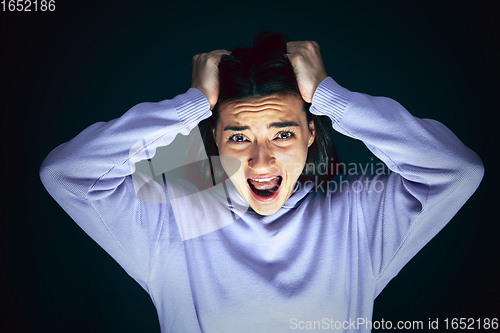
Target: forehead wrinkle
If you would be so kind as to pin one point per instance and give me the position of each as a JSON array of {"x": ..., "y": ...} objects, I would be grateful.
[
  {"x": 273, "y": 102},
  {"x": 246, "y": 113},
  {"x": 262, "y": 112},
  {"x": 259, "y": 107}
]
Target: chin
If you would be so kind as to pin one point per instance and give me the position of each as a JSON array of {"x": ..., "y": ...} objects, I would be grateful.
[{"x": 263, "y": 210}]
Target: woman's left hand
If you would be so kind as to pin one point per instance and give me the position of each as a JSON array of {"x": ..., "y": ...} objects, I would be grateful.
[{"x": 308, "y": 66}]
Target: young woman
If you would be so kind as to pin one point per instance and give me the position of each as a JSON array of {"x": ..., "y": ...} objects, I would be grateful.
[{"x": 280, "y": 241}]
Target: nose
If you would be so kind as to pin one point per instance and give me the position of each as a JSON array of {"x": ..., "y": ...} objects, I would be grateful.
[{"x": 261, "y": 159}]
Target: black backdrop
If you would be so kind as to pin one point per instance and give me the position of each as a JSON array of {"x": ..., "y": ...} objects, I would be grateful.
[{"x": 90, "y": 61}]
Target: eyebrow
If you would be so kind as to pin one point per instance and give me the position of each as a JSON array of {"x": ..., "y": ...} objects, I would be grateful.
[{"x": 276, "y": 125}]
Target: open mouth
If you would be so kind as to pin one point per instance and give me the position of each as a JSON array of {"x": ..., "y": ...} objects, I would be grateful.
[{"x": 265, "y": 188}]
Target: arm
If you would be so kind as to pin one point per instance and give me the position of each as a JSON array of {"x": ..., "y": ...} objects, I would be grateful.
[
  {"x": 433, "y": 172},
  {"x": 90, "y": 176}
]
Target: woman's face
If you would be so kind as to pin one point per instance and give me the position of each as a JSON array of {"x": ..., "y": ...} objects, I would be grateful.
[{"x": 270, "y": 137}]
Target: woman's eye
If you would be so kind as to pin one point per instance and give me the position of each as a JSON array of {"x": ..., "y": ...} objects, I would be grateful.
[
  {"x": 238, "y": 138},
  {"x": 284, "y": 135}
]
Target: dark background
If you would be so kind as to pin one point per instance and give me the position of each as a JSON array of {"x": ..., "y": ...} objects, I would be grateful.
[{"x": 91, "y": 61}]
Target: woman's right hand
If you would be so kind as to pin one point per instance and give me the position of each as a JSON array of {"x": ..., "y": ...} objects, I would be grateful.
[{"x": 205, "y": 76}]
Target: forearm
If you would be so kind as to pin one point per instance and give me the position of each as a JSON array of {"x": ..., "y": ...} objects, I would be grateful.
[
  {"x": 100, "y": 156},
  {"x": 421, "y": 150}
]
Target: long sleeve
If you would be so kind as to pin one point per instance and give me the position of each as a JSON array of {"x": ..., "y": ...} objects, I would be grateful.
[
  {"x": 433, "y": 174},
  {"x": 90, "y": 177}
]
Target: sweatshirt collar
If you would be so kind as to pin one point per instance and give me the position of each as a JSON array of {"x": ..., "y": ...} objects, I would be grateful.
[{"x": 235, "y": 202}]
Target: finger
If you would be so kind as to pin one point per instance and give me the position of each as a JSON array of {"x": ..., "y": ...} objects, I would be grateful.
[
  {"x": 215, "y": 56},
  {"x": 220, "y": 52},
  {"x": 311, "y": 45},
  {"x": 215, "y": 53},
  {"x": 218, "y": 55},
  {"x": 292, "y": 47},
  {"x": 316, "y": 45},
  {"x": 295, "y": 58},
  {"x": 302, "y": 46}
]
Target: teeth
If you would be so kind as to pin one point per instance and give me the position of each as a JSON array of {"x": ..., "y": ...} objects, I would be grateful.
[{"x": 263, "y": 179}]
